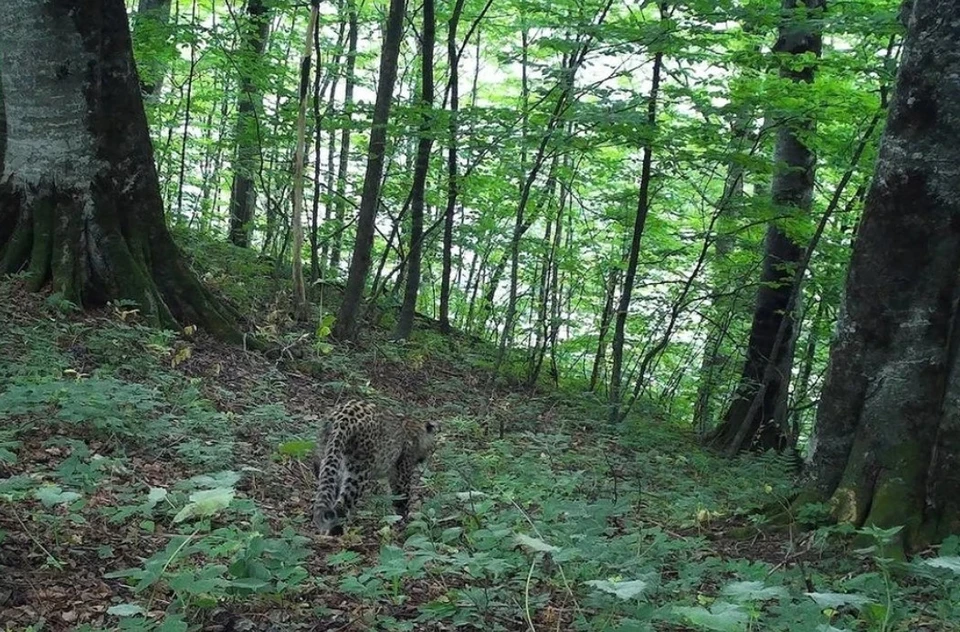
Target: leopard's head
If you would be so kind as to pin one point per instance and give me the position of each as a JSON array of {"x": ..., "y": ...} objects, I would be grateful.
[
  {"x": 426, "y": 440},
  {"x": 326, "y": 521}
]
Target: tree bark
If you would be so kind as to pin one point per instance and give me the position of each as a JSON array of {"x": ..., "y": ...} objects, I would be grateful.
[
  {"x": 3, "y": 127},
  {"x": 886, "y": 448},
  {"x": 522, "y": 224},
  {"x": 487, "y": 301},
  {"x": 606, "y": 316},
  {"x": 474, "y": 280},
  {"x": 421, "y": 168},
  {"x": 765, "y": 426},
  {"x": 639, "y": 222},
  {"x": 296, "y": 218},
  {"x": 80, "y": 205},
  {"x": 452, "y": 177},
  {"x": 539, "y": 323},
  {"x": 548, "y": 318},
  {"x": 344, "y": 161},
  {"x": 319, "y": 89},
  {"x": 248, "y": 156},
  {"x": 347, "y": 326}
]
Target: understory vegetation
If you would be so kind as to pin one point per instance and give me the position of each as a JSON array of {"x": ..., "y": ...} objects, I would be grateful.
[
  {"x": 157, "y": 480},
  {"x": 679, "y": 282}
]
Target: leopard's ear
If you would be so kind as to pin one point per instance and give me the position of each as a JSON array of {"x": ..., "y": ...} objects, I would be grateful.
[{"x": 432, "y": 427}]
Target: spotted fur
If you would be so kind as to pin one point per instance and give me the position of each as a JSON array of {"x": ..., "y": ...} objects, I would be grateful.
[{"x": 358, "y": 446}]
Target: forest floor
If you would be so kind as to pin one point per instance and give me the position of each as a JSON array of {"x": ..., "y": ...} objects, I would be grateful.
[{"x": 159, "y": 480}]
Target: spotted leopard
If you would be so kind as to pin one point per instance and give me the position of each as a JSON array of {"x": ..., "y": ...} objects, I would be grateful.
[{"x": 358, "y": 446}]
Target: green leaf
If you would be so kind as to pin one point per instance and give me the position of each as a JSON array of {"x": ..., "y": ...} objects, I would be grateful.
[
  {"x": 18, "y": 483},
  {"x": 835, "y": 600},
  {"x": 6, "y": 456},
  {"x": 297, "y": 448},
  {"x": 51, "y": 495},
  {"x": 722, "y": 617},
  {"x": 250, "y": 583},
  {"x": 156, "y": 495},
  {"x": 206, "y": 503},
  {"x": 125, "y": 610},
  {"x": 225, "y": 478},
  {"x": 881, "y": 535},
  {"x": 874, "y": 612},
  {"x": 343, "y": 558},
  {"x": 173, "y": 623},
  {"x": 534, "y": 544},
  {"x": 752, "y": 591},
  {"x": 470, "y": 495},
  {"x": 950, "y": 563},
  {"x": 623, "y": 590}
]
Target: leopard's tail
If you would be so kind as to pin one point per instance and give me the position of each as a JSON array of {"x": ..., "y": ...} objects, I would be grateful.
[{"x": 329, "y": 469}]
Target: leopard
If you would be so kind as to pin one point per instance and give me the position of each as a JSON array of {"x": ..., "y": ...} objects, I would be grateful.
[{"x": 358, "y": 446}]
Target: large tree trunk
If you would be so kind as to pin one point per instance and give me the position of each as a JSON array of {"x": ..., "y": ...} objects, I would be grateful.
[
  {"x": 80, "y": 204},
  {"x": 346, "y": 326},
  {"x": 886, "y": 449},
  {"x": 421, "y": 167},
  {"x": 764, "y": 426},
  {"x": 246, "y": 165}
]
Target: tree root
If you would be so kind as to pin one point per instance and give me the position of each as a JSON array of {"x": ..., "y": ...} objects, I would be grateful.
[{"x": 91, "y": 258}]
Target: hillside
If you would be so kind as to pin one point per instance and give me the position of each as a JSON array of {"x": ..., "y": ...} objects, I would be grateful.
[{"x": 153, "y": 480}]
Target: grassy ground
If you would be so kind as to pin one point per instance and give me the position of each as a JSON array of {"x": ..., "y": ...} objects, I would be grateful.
[{"x": 153, "y": 480}]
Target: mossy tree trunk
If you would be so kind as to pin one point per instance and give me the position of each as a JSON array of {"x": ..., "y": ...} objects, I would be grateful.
[
  {"x": 886, "y": 449},
  {"x": 80, "y": 205}
]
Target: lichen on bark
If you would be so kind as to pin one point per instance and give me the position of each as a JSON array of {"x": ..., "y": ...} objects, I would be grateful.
[{"x": 887, "y": 427}]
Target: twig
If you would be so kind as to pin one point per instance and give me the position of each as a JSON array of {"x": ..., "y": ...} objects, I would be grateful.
[
  {"x": 563, "y": 576},
  {"x": 526, "y": 595},
  {"x": 50, "y": 556}
]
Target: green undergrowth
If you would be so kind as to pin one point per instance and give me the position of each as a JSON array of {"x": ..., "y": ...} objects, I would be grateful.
[{"x": 157, "y": 481}]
